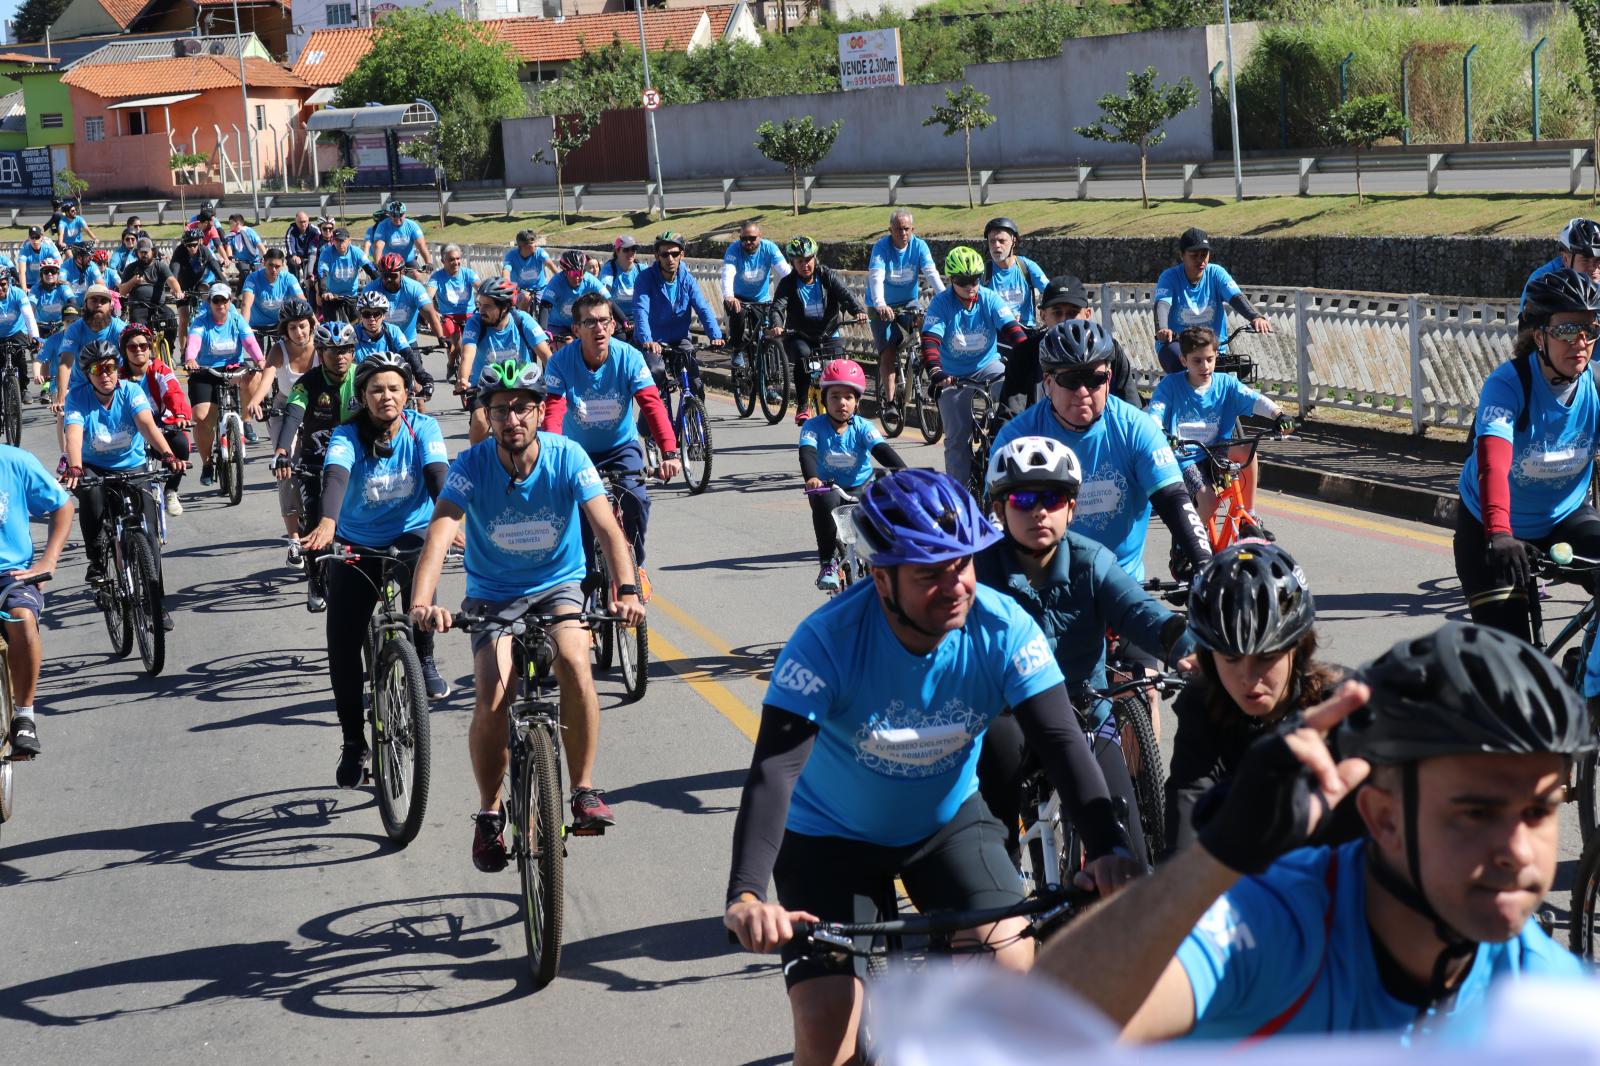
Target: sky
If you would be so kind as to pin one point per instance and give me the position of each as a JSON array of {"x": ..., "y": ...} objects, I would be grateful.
[{"x": 8, "y": 11}]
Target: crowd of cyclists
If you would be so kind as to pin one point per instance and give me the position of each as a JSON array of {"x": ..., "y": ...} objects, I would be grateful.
[{"x": 1343, "y": 850}]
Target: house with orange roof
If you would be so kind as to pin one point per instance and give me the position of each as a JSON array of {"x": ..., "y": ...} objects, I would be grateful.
[{"x": 267, "y": 19}]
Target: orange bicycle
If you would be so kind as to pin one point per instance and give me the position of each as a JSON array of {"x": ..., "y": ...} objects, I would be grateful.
[{"x": 1232, "y": 521}]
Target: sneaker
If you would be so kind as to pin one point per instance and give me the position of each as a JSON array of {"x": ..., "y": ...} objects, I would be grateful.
[
  {"x": 589, "y": 811},
  {"x": 95, "y": 574},
  {"x": 488, "y": 841},
  {"x": 438, "y": 687},
  {"x": 314, "y": 601},
  {"x": 773, "y": 398},
  {"x": 295, "y": 558},
  {"x": 828, "y": 578},
  {"x": 166, "y": 621},
  {"x": 738, "y": 361},
  {"x": 208, "y": 475},
  {"x": 174, "y": 505},
  {"x": 24, "y": 737},
  {"x": 802, "y": 416},
  {"x": 250, "y": 433},
  {"x": 352, "y": 766}
]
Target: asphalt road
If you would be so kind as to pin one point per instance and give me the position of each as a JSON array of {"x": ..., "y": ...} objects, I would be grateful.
[{"x": 183, "y": 878}]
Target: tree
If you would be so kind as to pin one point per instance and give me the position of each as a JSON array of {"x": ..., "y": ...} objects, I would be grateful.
[
  {"x": 185, "y": 173},
  {"x": 36, "y": 16},
  {"x": 1587, "y": 13},
  {"x": 69, "y": 186},
  {"x": 1137, "y": 118},
  {"x": 797, "y": 146},
  {"x": 1360, "y": 123},
  {"x": 338, "y": 179},
  {"x": 574, "y": 115},
  {"x": 469, "y": 77},
  {"x": 962, "y": 112}
]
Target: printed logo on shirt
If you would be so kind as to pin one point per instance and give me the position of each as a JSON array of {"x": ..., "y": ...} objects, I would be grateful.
[
  {"x": 599, "y": 410},
  {"x": 1100, "y": 497},
  {"x": 459, "y": 483},
  {"x": 526, "y": 534},
  {"x": 588, "y": 476},
  {"x": 1553, "y": 460},
  {"x": 1032, "y": 657},
  {"x": 5, "y": 506},
  {"x": 906, "y": 741},
  {"x": 1162, "y": 457},
  {"x": 1221, "y": 925},
  {"x": 967, "y": 341},
  {"x": 901, "y": 275},
  {"x": 393, "y": 485},
  {"x": 796, "y": 678},
  {"x": 1498, "y": 417},
  {"x": 435, "y": 452}
]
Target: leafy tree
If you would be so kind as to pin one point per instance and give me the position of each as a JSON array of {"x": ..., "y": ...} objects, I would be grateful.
[
  {"x": 453, "y": 64},
  {"x": 339, "y": 179},
  {"x": 962, "y": 112},
  {"x": 1587, "y": 13},
  {"x": 798, "y": 146},
  {"x": 36, "y": 16},
  {"x": 1137, "y": 117},
  {"x": 69, "y": 186},
  {"x": 184, "y": 166},
  {"x": 1360, "y": 123},
  {"x": 573, "y": 118}
]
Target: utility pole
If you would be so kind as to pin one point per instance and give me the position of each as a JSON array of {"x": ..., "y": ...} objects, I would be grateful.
[
  {"x": 649, "y": 115},
  {"x": 1233, "y": 105},
  {"x": 249, "y": 131}
]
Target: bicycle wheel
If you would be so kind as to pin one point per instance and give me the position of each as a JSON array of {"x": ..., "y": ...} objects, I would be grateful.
[
  {"x": 695, "y": 445},
  {"x": 144, "y": 602},
  {"x": 929, "y": 423},
  {"x": 13, "y": 410},
  {"x": 978, "y": 471},
  {"x": 541, "y": 854},
  {"x": 401, "y": 748},
  {"x": 772, "y": 382},
  {"x": 7, "y": 784},
  {"x": 235, "y": 462},
  {"x": 633, "y": 657},
  {"x": 892, "y": 417},
  {"x": 603, "y": 636},
  {"x": 744, "y": 387},
  {"x": 114, "y": 603},
  {"x": 1581, "y": 928},
  {"x": 1139, "y": 747}
]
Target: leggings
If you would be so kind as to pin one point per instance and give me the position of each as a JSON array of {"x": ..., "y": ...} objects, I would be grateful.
[
  {"x": 352, "y": 593},
  {"x": 822, "y": 507},
  {"x": 178, "y": 441},
  {"x": 800, "y": 351},
  {"x": 1498, "y": 605}
]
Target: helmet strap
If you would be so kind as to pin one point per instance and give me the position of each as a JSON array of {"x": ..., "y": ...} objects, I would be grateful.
[
  {"x": 892, "y": 602},
  {"x": 1557, "y": 378},
  {"x": 1076, "y": 429}
]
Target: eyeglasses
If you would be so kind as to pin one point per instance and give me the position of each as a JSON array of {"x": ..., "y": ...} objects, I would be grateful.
[
  {"x": 137, "y": 346},
  {"x": 597, "y": 323},
  {"x": 965, "y": 279},
  {"x": 104, "y": 366},
  {"x": 748, "y": 239},
  {"x": 372, "y": 314},
  {"x": 1570, "y": 331},
  {"x": 1028, "y": 499},
  {"x": 1081, "y": 379},
  {"x": 501, "y": 412},
  {"x": 669, "y": 253}
]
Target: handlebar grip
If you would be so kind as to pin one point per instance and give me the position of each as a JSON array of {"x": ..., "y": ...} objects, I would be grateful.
[
  {"x": 803, "y": 928},
  {"x": 1561, "y": 554}
]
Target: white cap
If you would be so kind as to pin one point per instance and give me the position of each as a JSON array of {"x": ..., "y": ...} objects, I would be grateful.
[{"x": 220, "y": 289}]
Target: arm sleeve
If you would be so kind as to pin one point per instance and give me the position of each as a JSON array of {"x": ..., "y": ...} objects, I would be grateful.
[
  {"x": 1494, "y": 483},
  {"x": 887, "y": 457},
  {"x": 1163, "y": 313},
  {"x": 191, "y": 347},
  {"x": 288, "y": 426},
  {"x": 727, "y": 280},
  {"x": 655, "y": 417},
  {"x": 783, "y": 745},
  {"x": 808, "y": 462},
  {"x": 1053, "y": 732},
  {"x": 433, "y": 477},
  {"x": 1013, "y": 334},
  {"x": 930, "y": 274},
  {"x": 555, "y": 409},
  {"x": 29, "y": 322},
  {"x": 1266, "y": 408},
  {"x": 251, "y": 348},
  {"x": 335, "y": 479},
  {"x": 1244, "y": 307},
  {"x": 875, "y": 282},
  {"x": 781, "y": 269},
  {"x": 1172, "y": 503}
]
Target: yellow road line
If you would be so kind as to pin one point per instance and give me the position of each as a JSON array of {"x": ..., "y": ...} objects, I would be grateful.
[
  {"x": 688, "y": 621},
  {"x": 1308, "y": 511},
  {"x": 722, "y": 700}
]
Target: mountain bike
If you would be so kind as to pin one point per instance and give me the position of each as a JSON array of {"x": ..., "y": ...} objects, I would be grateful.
[
  {"x": 1560, "y": 565},
  {"x": 227, "y": 445},
  {"x": 628, "y": 645},
  {"x": 904, "y": 331},
  {"x": 1239, "y": 364},
  {"x": 7, "y": 711},
  {"x": 689, "y": 424},
  {"x": 13, "y": 351},
  {"x": 131, "y": 592},
  {"x": 987, "y": 418},
  {"x": 397, "y": 701},
  {"x": 747, "y": 377},
  {"x": 156, "y": 318},
  {"x": 1232, "y": 521}
]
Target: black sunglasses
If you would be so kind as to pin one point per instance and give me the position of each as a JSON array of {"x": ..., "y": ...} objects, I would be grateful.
[
  {"x": 1081, "y": 379},
  {"x": 965, "y": 279},
  {"x": 372, "y": 314}
]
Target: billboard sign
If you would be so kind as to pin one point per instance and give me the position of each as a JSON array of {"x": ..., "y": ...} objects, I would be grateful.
[{"x": 870, "y": 59}]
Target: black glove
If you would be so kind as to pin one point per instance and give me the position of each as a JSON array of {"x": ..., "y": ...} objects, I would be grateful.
[
  {"x": 1267, "y": 810},
  {"x": 1285, "y": 425},
  {"x": 1508, "y": 560},
  {"x": 937, "y": 380},
  {"x": 280, "y": 462}
]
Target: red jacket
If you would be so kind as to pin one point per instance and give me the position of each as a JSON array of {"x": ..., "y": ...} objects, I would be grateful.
[{"x": 166, "y": 395}]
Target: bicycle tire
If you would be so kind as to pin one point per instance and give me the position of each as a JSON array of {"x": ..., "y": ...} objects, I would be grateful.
[
  {"x": 144, "y": 605},
  {"x": 7, "y": 779},
  {"x": 982, "y": 415},
  {"x": 929, "y": 423},
  {"x": 114, "y": 604},
  {"x": 694, "y": 445},
  {"x": 235, "y": 463},
  {"x": 1581, "y": 922},
  {"x": 633, "y": 659},
  {"x": 541, "y": 855},
  {"x": 892, "y": 417},
  {"x": 401, "y": 744},
  {"x": 1149, "y": 780},
  {"x": 604, "y": 633},
  {"x": 13, "y": 413},
  {"x": 772, "y": 377},
  {"x": 744, "y": 388}
]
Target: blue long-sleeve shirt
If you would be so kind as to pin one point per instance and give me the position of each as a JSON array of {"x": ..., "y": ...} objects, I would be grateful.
[{"x": 661, "y": 308}]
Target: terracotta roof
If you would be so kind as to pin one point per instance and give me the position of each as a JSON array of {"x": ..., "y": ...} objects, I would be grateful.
[
  {"x": 242, "y": 3},
  {"x": 330, "y": 55},
  {"x": 720, "y": 17},
  {"x": 115, "y": 81},
  {"x": 123, "y": 11},
  {"x": 20, "y": 57}
]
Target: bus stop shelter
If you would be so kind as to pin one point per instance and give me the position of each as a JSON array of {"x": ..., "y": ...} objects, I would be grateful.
[{"x": 377, "y": 132}]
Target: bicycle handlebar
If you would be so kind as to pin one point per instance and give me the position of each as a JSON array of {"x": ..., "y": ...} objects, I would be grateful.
[
  {"x": 1045, "y": 905},
  {"x": 1218, "y": 450},
  {"x": 1167, "y": 684},
  {"x": 468, "y": 621},
  {"x": 91, "y": 478}
]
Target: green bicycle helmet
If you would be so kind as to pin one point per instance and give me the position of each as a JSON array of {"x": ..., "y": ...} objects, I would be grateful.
[
  {"x": 800, "y": 248},
  {"x": 510, "y": 376},
  {"x": 962, "y": 260},
  {"x": 670, "y": 236}
]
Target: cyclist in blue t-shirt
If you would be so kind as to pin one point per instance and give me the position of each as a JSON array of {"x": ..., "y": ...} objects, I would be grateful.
[
  {"x": 28, "y": 493},
  {"x": 1579, "y": 243},
  {"x": 81, "y": 271},
  {"x": 16, "y": 320},
  {"x": 217, "y": 338},
  {"x": 33, "y": 251},
  {"x": 243, "y": 244},
  {"x": 521, "y": 496},
  {"x": 1260, "y": 928},
  {"x": 893, "y": 268},
  {"x": 496, "y": 333},
  {"x": 403, "y": 237},
  {"x": 618, "y": 275},
  {"x": 1016, "y": 279},
  {"x": 376, "y": 334},
  {"x": 750, "y": 268},
  {"x": 664, "y": 298},
  {"x": 1197, "y": 292},
  {"x": 122, "y": 254},
  {"x": 266, "y": 289},
  {"x": 73, "y": 228},
  {"x": 453, "y": 289},
  {"x": 340, "y": 265},
  {"x": 525, "y": 265},
  {"x": 864, "y": 767},
  {"x": 408, "y": 298},
  {"x": 556, "y": 301}
]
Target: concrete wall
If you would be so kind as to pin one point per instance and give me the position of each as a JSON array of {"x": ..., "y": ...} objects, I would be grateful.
[{"x": 1038, "y": 101}]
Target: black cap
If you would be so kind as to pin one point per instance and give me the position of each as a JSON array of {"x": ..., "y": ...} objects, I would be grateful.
[
  {"x": 341, "y": 234},
  {"x": 1064, "y": 289},
  {"x": 35, "y": 231},
  {"x": 1192, "y": 239}
]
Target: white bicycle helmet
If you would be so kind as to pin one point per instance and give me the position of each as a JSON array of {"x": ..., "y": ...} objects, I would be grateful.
[
  {"x": 372, "y": 300},
  {"x": 1032, "y": 461}
]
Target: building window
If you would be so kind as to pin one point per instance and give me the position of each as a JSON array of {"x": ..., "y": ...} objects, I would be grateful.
[
  {"x": 94, "y": 129},
  {"x": 792, "y": 12},
  {"x": 138, "y": 123},
  {"x": 51, "y": 122},
  {"x": 341, "y": 15},
  {"x": 261, "y": 117},
  {"x": 508, "y": 7}
]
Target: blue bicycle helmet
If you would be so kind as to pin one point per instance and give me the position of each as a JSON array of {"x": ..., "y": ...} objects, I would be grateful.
[
  {"x": 920, "y": 517},
  {"x": 1077, "y": 342}
]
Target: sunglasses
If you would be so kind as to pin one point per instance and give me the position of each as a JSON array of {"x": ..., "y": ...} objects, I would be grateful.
[
  {"x": 965, "y": 279},
  {"x": 137, "y": 346},
  {"x": 1028, "y": 499},
  {"x": 1081, "y": 379},
  {"x": 104, "y": 366},
  {"x": 749, "y": 240},
  {"x": 372, "y": 314},
  {"x": 669, "y": 254},
  {"x": 1570, "y": 331}
]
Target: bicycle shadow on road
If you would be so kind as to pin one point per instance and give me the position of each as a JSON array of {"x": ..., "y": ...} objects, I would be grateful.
[
  {"x": 673, "y": 943},
  {"x": 750, "y": 563},
  {"x": 243, "y": 677},
  {"x": 1433, "y": 598},
  {"x": 680, "y": 794}
]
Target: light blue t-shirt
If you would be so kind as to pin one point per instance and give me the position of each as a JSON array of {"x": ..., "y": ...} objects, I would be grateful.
[
  {"x": 1206, "y": 416},
  {"x": 1267, "y": 940},
  {"x": 340, "y": 274},
  {"x": 901, "y": 267},
  {"x": 813, "y": 299},
  {"x": 31, "y": 258},
  {"x": 244, "y": 245},
  {"x": 1205, "y": 303},
  {"x": 526, "y": 274},
  {"x": 49, "y": 303},
  {"x": 561, "y": 295},
  {"x": 522, "y": 537},
  {"x": 389, "y": 339},
  {"x": 619, "y": 285},
  {"x": 71, "y": 230},
  {"x": 270, "y": 296},
  {"x": 405, "y": 305},
  {"x": 111, "y": 437},
  {"x": 969, "y": 336},
  {"x": 78, "y": 279},
  {"x": 752, "y": 272},
  {"x": 1125, "y": 458},
  {"x": 516, "y": 338},
  {"x": 221, "y": 343},
  {"x": 401, "y": 239},
  {"x": 1015, "y": 285},
  {"x": 387, "y": 497},
  {"x": 1550, "y": 459},
  {"x": 899, "y": 734},
  {"x": 599, "y": 416},
  {"x": 844, "y": 456},
  {"x": 454, "y": 294},
  {"x": 25, "y": 491},
  {"x": 11, "y": 321},
  {"x": 76, "y": 336}
]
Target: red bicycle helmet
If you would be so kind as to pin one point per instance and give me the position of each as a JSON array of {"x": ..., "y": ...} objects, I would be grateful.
[
  {"x": 391, "y": 263},
  {"x": 100, "y": 256},
  {"x": 844, "y": 372}
]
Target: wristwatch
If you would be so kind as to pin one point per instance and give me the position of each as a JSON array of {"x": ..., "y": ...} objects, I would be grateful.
[
  {"x": 627, "y": 590},
  {"x": 669, "y": 455}
]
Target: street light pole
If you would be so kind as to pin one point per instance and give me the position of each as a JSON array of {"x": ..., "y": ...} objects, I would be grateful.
[
  {"x": 249, "y": 133},
  {"x": 649, "y": 114},
  {"x": 1233, "y": 103}
]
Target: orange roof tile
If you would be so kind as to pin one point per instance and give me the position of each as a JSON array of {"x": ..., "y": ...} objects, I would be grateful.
[
  {"x": 18, "y": 57},
  {"x": 330, "y": 55},
  {"x": 720, "y": 17},
  {"x": 123, "y": 11},
  {"x": 552, "y": 41},
  {"x": 115, "y": 81}
]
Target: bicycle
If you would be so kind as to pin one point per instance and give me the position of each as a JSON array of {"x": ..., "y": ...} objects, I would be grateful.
[
  {"x": 1238, "y": 364},
  {"x": 12, "y": 351},
  {"x": 771, "y": 384},
  {"x": 397, "y": 703},
  {"x": 629, "y": 646},
  {"x": 533, "y": 795},
  {"x": 131, "y": 592},
  {"x": 159, "y": 323},
  {"x": 689, "y": 424},
  {"x": 7, "y": 711},
  {"x": 1560, "y": 565},
  {"x": 227, "y": 445},
  {"x": 749, "y": 359},
  {"x": 907, "y": 322},
  {"x": 847, "y": 563},
  {"x": 987, "y": 418},
  {"x": 1232, "y": 521}
]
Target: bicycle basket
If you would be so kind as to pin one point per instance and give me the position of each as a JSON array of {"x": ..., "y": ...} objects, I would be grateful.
[{"x": 844, "y": 524}]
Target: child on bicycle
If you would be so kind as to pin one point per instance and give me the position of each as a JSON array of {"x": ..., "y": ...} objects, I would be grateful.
[
  {"x": 1202, "y": 405},
  {"x": 836, "y": 452}
]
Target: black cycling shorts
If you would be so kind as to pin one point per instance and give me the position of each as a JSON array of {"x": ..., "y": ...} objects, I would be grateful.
[
  {"x": 203, "y": 387},
  {"x": 963, "y": 866}
]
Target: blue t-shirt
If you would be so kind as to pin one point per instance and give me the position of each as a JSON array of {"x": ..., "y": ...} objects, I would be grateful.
[
  {"x": 969, "y": 336},
  {"x": 1205, "y": 303},
  {"x": 1266, "y": 941},
  {"x": 244, "y": 245},
  {"x": 387, "y": 497},
  {"x": 270, "y": 296},
  {"x": 844, "y": 456},
  {"x": 399, "y": 239},
  {"x": 599, "y": 413},
  {"x": 1548, "y": 268},
  {"x": 405, "y": 305},
  {"x": 516, "y": 338},
  {"x": 49, "y": 303},
  {"x": 901, "y": 267},
  {"x": 11, "y": 321},
  {"x": 221, "y": 343},
  {"x": 121, "y": 256},
  {"x": 813, "y": 299},
  {"x": 1125, "y": 458},
  {"x": 526, "y": 274},
  {"x": 1015, "y": 285},
  {"x": 340, "y": 274},
  {"x": 75, "y": 336},
  {"x": 1205, "y": 416},
  {"x": 752, "y": 272},
  {"x": 71, "y": 230},
  {"x": 1550, "y": 459},
  {"x": 31, "y": 258},
  {"x": 111, "y": 437},
  {"x": 25, "y": 491},
  {"x": 899, "y": 734},
  {"x": 619, "y": 285},
  {"x": 79, "y": 279},
  {"x": 522, "y": 537},
  {"x": 454, "y": 294},
  {"x": 560, "y": 295},
  {"x": 389, "y": 339}
]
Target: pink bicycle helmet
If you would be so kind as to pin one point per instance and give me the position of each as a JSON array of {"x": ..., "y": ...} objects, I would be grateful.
[{"x": 844, "y": 372}]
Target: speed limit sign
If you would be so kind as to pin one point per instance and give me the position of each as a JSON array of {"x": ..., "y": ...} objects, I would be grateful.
[{"x": 651, "y": 99}]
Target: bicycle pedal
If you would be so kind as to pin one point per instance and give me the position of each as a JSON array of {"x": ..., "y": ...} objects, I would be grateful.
[{"x": 597, "y": 831}]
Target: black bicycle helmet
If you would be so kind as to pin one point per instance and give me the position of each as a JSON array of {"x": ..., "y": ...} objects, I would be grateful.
[
  {"x": 499, "y": 290},
  {"x": 378, "y": 363},
  {"x": 97, "y": 352},
  {"x": 1001, "y": 223},
  {"x": 1251, "y": 599},
  {"x": 1078, "y": 342},
  {"x": 1555, "y": 293},
  {"x": 293, "y": 309},
  {"x": 1581, "y": 236}
]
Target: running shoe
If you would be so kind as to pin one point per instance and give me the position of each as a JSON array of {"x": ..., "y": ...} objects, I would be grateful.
[
  {"x": 589, "y": 810},
  {"x": 488, "y": 841}
]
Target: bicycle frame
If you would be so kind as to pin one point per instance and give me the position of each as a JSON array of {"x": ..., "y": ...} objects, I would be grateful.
[{"x": 1232, "y": 521}]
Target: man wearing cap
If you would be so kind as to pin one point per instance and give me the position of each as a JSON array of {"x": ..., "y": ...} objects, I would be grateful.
[
  {"x": 340, "y": 265},
  {"x": 1197, "y": 292},
  {"x": 33, "y": 251},
  {"x": 144, "y": 280},
  {"x": 527, "y": 266},
  {"x": 300, "y": 243},
  {"x": 1063, "y": 299},
  {"x": 663, "y": 298},
  {"x": 97, "y": 324},
  {"x": 197, "y": 268}
]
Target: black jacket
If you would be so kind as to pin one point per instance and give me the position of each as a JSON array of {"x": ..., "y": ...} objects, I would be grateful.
[
  {"x": 789, "y": 313},
  {"x": 1022, "y": 375}
]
